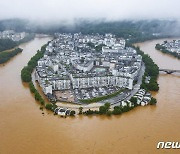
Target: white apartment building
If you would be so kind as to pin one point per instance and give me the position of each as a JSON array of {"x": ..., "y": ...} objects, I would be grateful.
[{"x": 87, "y": 82}]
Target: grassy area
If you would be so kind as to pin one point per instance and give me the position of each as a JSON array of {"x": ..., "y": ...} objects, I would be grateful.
[{"x": 97, "y": 99}]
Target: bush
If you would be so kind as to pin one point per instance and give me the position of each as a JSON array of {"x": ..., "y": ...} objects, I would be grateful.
[
  {"x": 134, "y": 100},
  {"x": 126, "y": 109},
  {"x": 117, "y": 110},
  {"x": 72, "y": 113},
  {"x": 37, "y": 96},
  {"x": 42, "y": 102},
  {"x": 49, "y": 106},
  {"x": 32, "y": 88},
  {"x": 80, "y": 110},
  {"x": 104, "y": 109},
  {"x": 89, "y": 112},
  {"x": 153, "y": 101},
  {"x": 6, "y": 44},
  {"x": 109, "y": 113}
]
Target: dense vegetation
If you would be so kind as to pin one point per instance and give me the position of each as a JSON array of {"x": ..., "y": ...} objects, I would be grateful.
[
  {"x": 151, "y": 70},
  {"x": 153, "y": 101},
  {"x": 105, "y": 110},
  {"x": 100, "y": 98},
  {"x": 133, "y": 100},
  {"x": 164, "y": 50},
  {"x": 117, "y": 110},
  {"x": 37, "y": 96},
  {"x": 6, "y": 44},
  {"x": 5, "y": 56},
  {"x": 27, "y": 70},
  {"x": 134, "y": 31}
]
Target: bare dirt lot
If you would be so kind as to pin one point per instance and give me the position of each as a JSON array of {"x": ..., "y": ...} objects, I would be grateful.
[{"x": 65, "y": 95}]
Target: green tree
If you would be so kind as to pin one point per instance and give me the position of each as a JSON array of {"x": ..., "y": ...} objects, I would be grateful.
[
  {"x": 32, "y": 88},
  {"x": 42, "y": 101},
  {"x": 107, "y": 106},
  {"x": 153, "y": 101},
  {"x": 102, "y": 110},
  {"x": 72, "y": 113},
  {"x": 117, "y": 110},
  {"x": 134, "y": 100},
  {"x": 80, "y": 110},
  {"x": 6, "y": 44},
  {"x": 49, "y": 106},
  {"x": 109, "y": 113},
  {"x": 26, "y": 74}
]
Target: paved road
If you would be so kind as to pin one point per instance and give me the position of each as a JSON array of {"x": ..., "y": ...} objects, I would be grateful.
[
  {"x": 128, "y": 94},
  {"x": 138, "y": 84}
]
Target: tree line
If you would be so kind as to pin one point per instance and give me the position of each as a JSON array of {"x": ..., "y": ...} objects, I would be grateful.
[
  {"x": 26, "y": 77},
  {"x": 5, "y": 56},
  {"x": 27, "y": 70},
  {"x": 151, "y": 70},
  {"x": 117, "y": 110},
  {"x": 39, "y": 98},
  {"x": 105, "y": 110},
  {"x": 6, "y": 44}
]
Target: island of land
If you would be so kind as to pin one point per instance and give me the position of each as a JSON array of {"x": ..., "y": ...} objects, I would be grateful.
[
  {"x": 83, "y": 69},
  {"x": 171, "y": 48}
]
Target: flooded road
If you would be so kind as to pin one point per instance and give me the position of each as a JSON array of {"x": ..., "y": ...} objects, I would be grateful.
[{"x": 23, "y": 128}]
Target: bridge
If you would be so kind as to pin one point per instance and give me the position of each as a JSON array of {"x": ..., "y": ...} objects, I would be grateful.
[{"x": 169, "y": 71}]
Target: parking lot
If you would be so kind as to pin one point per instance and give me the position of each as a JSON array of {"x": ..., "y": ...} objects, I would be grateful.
[{"x": 94, "y": 92}]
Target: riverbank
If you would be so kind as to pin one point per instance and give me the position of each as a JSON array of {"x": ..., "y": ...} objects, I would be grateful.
[
  {"x": 6, "y": 56},
  {"x": 165, "y": 51},
  {"x": 7, "y": 44},
  {"x": 151, "y": 71}
]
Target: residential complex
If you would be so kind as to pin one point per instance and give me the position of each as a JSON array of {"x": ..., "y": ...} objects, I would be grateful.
[
  {"x": 173, "y": 46},
  {"x": 88, "y": 66},
  {"x": 11, "y": 34}
]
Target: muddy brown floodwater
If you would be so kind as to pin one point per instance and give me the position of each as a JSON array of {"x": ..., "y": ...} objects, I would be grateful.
[{"x": 24, "y": 129}]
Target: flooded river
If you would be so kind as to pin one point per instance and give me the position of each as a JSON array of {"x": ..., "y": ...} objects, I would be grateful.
[{"x": 24, "y": 129}]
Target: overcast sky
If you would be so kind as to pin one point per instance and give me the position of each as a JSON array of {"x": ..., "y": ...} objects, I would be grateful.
[{"x": 56, "y": 10}]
